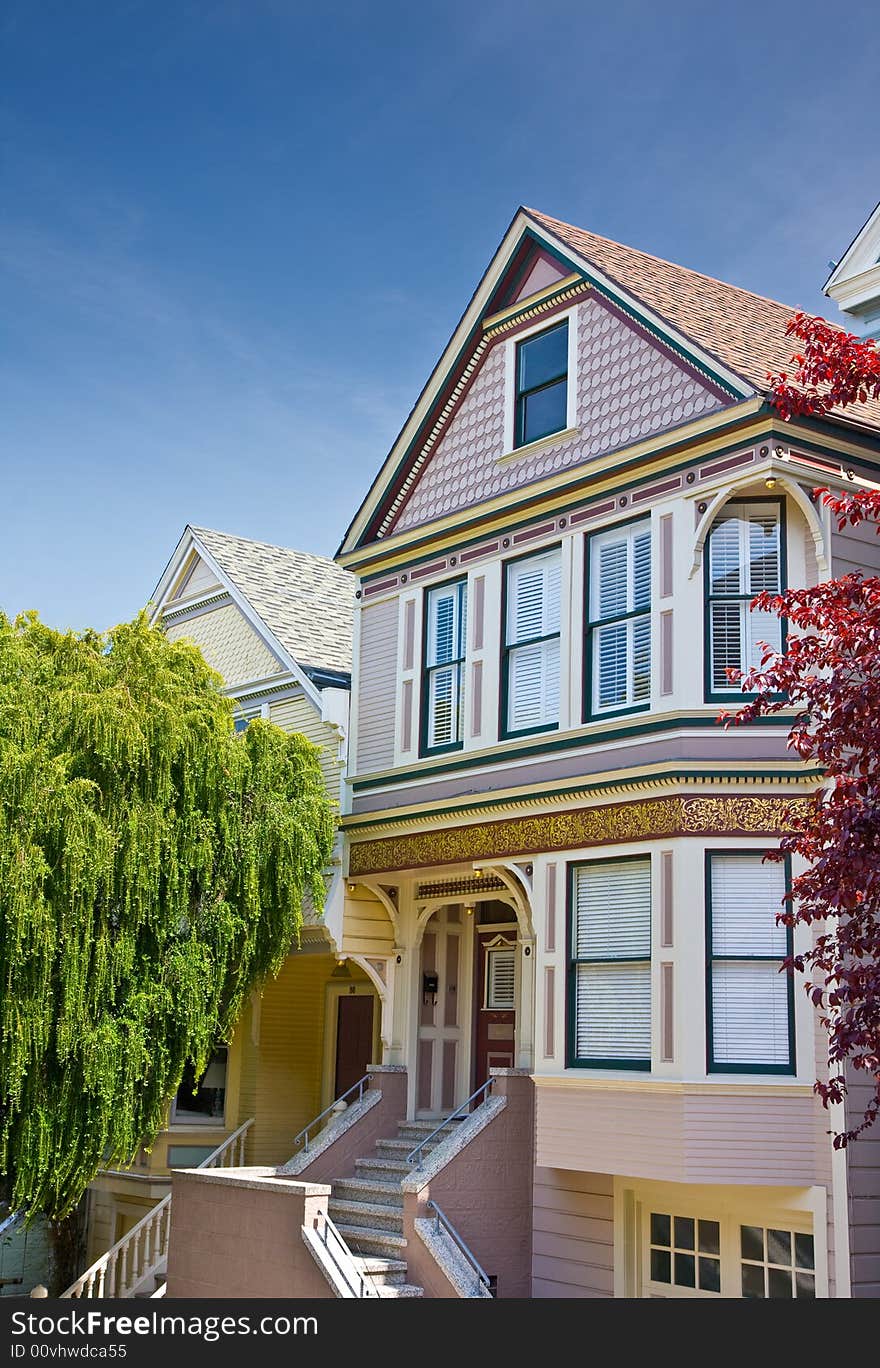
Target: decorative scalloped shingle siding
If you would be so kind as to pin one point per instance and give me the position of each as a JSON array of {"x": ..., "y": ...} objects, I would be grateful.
[
  {"x": 229, "y": 644},
  {"x": 628, "y": 390}
]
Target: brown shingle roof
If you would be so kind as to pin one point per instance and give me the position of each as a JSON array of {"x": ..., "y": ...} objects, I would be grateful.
[
  {"x": 306, "y": 601},
  {"x": 745, "y": 331}
]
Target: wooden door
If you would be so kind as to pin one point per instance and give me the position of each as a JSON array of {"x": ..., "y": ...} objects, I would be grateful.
[
  {"x": 496, "y": 1001},
  {"x": 444, "y": 1027},
  {"x": 354, "y": 1039}
]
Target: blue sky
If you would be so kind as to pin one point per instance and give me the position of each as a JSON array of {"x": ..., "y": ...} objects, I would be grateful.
[{"x": 234, "y": 237}]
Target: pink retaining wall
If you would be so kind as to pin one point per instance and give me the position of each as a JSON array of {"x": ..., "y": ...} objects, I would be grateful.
[
  {"x": 379, "y": 1123},
  {"x": 237, "y": 1235},
  {"x": 486, "y": 1192}
]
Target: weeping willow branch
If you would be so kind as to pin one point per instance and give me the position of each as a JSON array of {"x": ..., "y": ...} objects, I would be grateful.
[{"x": 152, "y": 871}]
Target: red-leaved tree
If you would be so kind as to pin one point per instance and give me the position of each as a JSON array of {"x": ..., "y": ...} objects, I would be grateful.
[
  {"x": 836, "y": 368},
  {"x": 830, "y": 675}
]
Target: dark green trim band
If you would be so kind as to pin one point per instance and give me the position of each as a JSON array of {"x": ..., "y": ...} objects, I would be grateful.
[{"x": 543, "y": 746}]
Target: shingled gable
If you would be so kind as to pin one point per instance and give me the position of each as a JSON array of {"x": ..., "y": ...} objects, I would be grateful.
[
  {"x": 301, "y": 604},
  {"x": 726, "y": 335}
]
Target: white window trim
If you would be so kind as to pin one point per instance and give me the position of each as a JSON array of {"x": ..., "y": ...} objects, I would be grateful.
[
  {"x": 803, "y": 1210},
  {"x": 510, "y": 345}
]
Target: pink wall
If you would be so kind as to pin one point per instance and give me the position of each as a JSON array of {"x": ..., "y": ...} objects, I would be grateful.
[
  {"x": 237, "y": 1235},
  {"x": 486, "y": 1192}
]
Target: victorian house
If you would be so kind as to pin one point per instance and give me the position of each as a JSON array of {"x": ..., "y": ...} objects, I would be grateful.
[
  {"x": 554, "y": 569},
  {"x": 276, "y": 624}
]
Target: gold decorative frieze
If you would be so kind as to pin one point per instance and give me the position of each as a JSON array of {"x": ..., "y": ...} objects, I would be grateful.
[{"x": 609, "y": 824}]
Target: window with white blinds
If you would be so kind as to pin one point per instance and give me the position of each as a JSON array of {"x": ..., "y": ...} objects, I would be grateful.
[
  {"x": 619, "y": 627},
  {"x": 750, "y": 998},
  {"x": 443, "y": 704},
  {"x": 501, "y": 979},
  {"x": 744, "y": 556},
  {"x": 610, "y": 967},
  {"x": 531, "y": 643}
]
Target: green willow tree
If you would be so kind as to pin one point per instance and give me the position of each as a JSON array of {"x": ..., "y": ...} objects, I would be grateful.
[{"x": 152, "y": 872}]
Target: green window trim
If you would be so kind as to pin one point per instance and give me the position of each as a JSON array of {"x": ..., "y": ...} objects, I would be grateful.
[
  {"x": 711, "y": 693},
  {"x": 573, "y": 1059},
  {"x": 510, "y": 648},
  {"x": 549, "y": 386},
  {"x": 593, "y": 624},
  {"x": 789, "y": 1068},
  {"x": 453, "y": 665}
]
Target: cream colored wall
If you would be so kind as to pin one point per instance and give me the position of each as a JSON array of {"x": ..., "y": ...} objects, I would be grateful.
[
  {"x": 300, "y": 715},
  {"x": 389, "y": 688},
  {"x": 229, "y": 644}
]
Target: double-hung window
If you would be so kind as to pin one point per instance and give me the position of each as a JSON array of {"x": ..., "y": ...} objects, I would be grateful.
[
  {"x": 750, "y": 1026},
  {"x": 619, "y": 626},
  {"x": 541, "y": 385},
  {"x": 445, "y": 625},
  {"x": 531, "y": 644},
  {"x": 610, "y": 964},
  {"x": 745, "y": 555}
]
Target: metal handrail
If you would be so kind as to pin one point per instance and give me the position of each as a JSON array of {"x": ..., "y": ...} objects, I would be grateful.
[
  {"x": 459, "y": 1111},
  {"x": 484, "y": 1279},
  {"x": 360, "y": 1085},
  {"x": 343, "y": 1262}
]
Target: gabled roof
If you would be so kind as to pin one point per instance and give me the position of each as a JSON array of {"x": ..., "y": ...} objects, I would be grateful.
[
  {"x": 742, "y": 333},
  {"x": 854, "y": 283},
  {"x": 745, "y": 331},
  {"x": 306, "y": 601}
]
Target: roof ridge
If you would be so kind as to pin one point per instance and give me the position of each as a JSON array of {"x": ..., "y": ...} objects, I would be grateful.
[
  {"x": 270, "y": 546},
  {"x": 663, "y": 261}
]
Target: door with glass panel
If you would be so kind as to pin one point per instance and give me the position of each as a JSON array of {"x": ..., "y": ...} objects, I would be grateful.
[{"x": 444, "y": 1004}]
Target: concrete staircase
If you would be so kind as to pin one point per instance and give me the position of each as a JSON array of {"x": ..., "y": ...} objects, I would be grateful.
[{"x": 367, "y": 1208}]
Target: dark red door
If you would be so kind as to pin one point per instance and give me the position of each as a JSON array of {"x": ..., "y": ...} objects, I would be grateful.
[
  {"x": 495, "y": 1005},
  {"x": 354, "y": 1039}
]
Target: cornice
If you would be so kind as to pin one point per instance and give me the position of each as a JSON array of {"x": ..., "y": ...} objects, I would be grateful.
[
  {"x": 647, "y": 819},
  {"x": 395, "y": 820}
]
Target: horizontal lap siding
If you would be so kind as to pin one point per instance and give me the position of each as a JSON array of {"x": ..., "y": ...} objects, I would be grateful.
[
  {"x": 367, "y": 927},
  {"x": 863, "y": 1177},
  {"x": 856, "y": 548},
  {"x": 376, "y": 687},
  {"x": 299, "y": 715},
  {"x": 573, "y": 1234},
  {"x": 678, "y": 1138},
  {"x": 229, "y": 644},
  {"x": 287, "y": 1070}
]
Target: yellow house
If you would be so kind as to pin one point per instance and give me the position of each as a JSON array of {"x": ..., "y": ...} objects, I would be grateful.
[{"x": 276, "y": 624}]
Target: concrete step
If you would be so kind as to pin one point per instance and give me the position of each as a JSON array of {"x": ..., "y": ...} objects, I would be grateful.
[
  {"x": 424, "y": 1127},
  {"x": 415, "y": 1133},
  {"x": 399, "y": 1149},
  {"x": 385, "y": 1170},
  {"x": 369, "y": 1215},
  {"x": 382, "y": 1243},
  {"x": 381, "y": 1272},
  {"x": 401, "y": 1290},
  {"x": 367, "y": 1190}
]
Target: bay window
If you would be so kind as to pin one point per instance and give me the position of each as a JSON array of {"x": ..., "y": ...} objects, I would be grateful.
[
  {"x": 531, "y": 665},
  {"x": 610, "y": 964},
  {"x": 619, "y": 619},
  {"x": 750, "y": 1007},
  {"x": 443, "y": 692},
  {"x": 745, "y": 554}
]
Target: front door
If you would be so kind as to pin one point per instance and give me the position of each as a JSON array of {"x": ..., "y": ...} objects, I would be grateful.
[
  {"x": 354, "y": 1039},
  {"x": 496, "y": 1001},
  {"x": 444, "y": 992}
]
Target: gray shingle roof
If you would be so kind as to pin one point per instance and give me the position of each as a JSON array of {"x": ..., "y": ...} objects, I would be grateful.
[{"x": 306, "y": 601}]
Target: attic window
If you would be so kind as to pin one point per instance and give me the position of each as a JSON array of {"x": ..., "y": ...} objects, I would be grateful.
[{"x": 541, "y": 385}]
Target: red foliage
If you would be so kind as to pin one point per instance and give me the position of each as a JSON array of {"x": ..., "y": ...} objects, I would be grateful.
[
  {"x": 830, "y": 674},
  {"x": 835, "y": 368}
]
